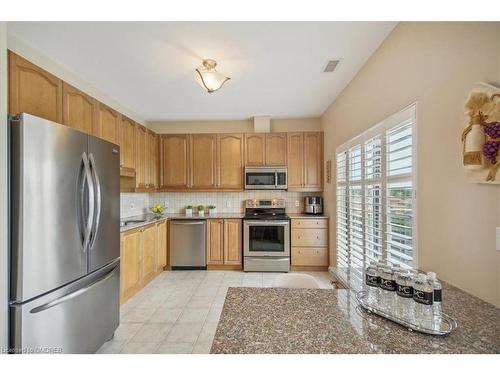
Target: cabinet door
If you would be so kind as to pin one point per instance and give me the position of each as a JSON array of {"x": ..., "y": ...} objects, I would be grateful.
[
  {"x": 79, "y": 109},
  {"x": 232, "y": 241},
  {"x": 174, "y": 161},
  {"x": 151, "y": 163},
  {"x": 295, "y": 152},
  {"x": 149, "y": 251},
  {"x": 130, "y": 264},
  {"x": 33, "y": 90},
  {"x": 202, "y": 161},
  {"x": 313, "y": 161},
  {"x": 230, "y": 160},
  {"x": 127, "y": 145},
  {"x": 140, "y": 165},
  {"x": 161, "y": 255},
  {"x": 276, "y": 149},
  {"x": 108, "y": 124},
  {"x": 215, "y": 241},
  {"x": 255, "y": 149}
]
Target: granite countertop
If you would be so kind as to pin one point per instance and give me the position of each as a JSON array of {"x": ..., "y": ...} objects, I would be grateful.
[
  {"x": 273, "y": 320},
  {"x": 150, "y": 218},
  {"x": 306, "y": 216}
]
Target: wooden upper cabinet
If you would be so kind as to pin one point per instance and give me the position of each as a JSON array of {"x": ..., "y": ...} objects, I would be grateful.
[
  {"x": 230, "y": 161},
  {"x": 79, "y": 109},
  {"x": 202, "y": 161},
  {"x": 140, "y": 157},
  {"x": 127, "y": 146},
  {"x": 174, "y": 161},
  {"x": 276, "y": 145},
  {"x": 152, "y": 160},
  {"x": 313, "y": 161},
  {"x": 108, "y": 123},
  {"x": 255, "y": 149},
  {"x": 295, "y": 152},
  {"x": 215, "y": 241},
  {"x": 232, "y": 241},
  {"x": 33, "y": 90}
]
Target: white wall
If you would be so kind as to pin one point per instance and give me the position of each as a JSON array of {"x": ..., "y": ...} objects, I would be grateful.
[
  {"x": 45, "y": 62},
  {"x": 4, "y": 265},
  {"x": 434, "y": 64}
]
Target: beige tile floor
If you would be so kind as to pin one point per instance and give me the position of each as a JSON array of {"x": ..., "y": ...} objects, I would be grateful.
[{"x": 178, "y": 312}]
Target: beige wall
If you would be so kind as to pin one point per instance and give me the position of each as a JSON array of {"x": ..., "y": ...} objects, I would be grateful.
[
  {"x": 434, "y": 64},
  {"x": 4, "y": 264},
  {"x": 233, "y": 126}
]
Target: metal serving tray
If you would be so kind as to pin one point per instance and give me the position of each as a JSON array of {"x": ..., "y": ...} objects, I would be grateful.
[{"x": 448, "y": 324}]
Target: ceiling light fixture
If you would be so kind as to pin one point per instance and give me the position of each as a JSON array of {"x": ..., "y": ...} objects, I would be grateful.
[{"x": 209, "y": 78}]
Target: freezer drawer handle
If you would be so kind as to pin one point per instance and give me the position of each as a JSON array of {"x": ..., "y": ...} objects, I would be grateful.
[
  {"x": 72, "y": 295},
  {"x": 95, "y": 226}
]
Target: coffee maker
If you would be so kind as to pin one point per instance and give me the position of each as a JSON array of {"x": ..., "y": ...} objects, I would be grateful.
[{"x": 313, "y": 205}]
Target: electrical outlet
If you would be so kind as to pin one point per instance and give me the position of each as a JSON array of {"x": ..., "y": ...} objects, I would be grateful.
[
  {"x": 498, "y": 238},
  {"x": 165, "y": 204},
  {"x": 132, "y": 206},
  {"x": 297, "y": 203},
  {"x": 228, "y": 204}
]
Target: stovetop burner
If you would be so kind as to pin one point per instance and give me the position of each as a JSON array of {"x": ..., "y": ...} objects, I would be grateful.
[{"x": 265, "y": 209}]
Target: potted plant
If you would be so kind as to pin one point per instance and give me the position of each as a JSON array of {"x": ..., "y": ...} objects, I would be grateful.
[
  {"x": 212, "y": 210},
  {"x": 201, "y": 210},
  {"x": 157, "y": 211},
  {"x": 189, "y": 210}
]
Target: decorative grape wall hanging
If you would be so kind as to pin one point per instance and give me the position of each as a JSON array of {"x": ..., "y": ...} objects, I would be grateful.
[{"x": 481, "y": 137}]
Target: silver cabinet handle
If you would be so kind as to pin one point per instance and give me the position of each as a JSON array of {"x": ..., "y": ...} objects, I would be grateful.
[
  {"x": 90, "y": 188},
  {"x": 98, "y": 199},
  {"x": 72, "y": 295}
]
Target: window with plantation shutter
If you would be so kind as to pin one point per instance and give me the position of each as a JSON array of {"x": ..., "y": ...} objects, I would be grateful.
[{"x": 376, "y": 197}]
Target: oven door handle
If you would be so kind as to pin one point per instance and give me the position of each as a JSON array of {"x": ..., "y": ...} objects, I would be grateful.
[{"x": 275, "y": 223}]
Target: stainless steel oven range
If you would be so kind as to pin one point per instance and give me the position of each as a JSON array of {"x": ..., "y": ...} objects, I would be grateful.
[{"x": 266, "y": 236}]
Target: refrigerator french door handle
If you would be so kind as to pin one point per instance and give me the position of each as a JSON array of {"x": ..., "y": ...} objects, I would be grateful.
[
  {"x": 72, "y": 295},
  {"x": 90, "y": 188},
  {"x": 95, "y": 225}
]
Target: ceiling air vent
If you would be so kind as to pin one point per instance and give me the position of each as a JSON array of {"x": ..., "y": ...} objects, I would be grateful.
[{"x": 330, "y": 66}]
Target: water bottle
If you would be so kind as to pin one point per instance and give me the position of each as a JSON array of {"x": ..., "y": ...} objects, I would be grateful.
[
  {"x": 404, "y": 292},
  {"x": 372, "y": 281},
  {"x": 423, "y": 295},
  {"x": 436, "y": 306},
  {"x": 388, "y": 288}
]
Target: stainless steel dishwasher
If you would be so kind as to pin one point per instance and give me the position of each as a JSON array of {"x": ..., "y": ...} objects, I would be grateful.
[{"x": 187, "y": 245}]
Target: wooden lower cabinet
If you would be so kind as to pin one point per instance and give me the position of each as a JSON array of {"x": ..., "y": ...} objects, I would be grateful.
[
  {"x": 130, "y": 264},
  {"x": 224, "y": 244},
  {"x": 309, "y": 244},
  {"x": 143, "y": 253},
  {"x": 161, "y": 252}
]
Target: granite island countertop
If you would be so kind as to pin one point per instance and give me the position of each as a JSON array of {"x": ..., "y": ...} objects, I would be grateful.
[{"x": 273, "y": 320}]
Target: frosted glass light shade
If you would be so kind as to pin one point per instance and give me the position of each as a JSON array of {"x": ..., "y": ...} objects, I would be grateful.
[{"x": 208, "y": 78}]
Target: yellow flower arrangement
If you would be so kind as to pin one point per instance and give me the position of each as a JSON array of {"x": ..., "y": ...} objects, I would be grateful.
[{"x": 157, "y": 209}]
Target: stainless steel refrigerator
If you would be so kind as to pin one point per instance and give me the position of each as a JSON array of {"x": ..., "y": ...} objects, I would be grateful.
[{"x": 65, "y": 245}]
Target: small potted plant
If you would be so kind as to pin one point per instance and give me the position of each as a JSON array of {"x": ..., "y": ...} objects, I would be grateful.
[
  {"x": 201, "y": 210},
  {"x": 212, "y": 210},
  {"x": 157, "y": 211},
  {"x": 189, "y": 210}
]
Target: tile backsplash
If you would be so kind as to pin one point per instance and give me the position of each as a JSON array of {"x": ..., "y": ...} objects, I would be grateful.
[{"x": 138, "y": 203}]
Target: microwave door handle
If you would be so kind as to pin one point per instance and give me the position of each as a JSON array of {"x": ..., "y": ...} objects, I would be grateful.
[{"x": 275, "y": 179}]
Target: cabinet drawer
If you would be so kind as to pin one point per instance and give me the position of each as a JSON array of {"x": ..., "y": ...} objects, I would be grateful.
[
  {"x": 309, "y": 256},
  {"x": 309, "y": 237},
  {"x": 309, "y": 223}
]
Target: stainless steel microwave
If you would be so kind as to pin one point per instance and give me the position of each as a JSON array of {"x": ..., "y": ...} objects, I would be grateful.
[{"x": 266, "y": 178}]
